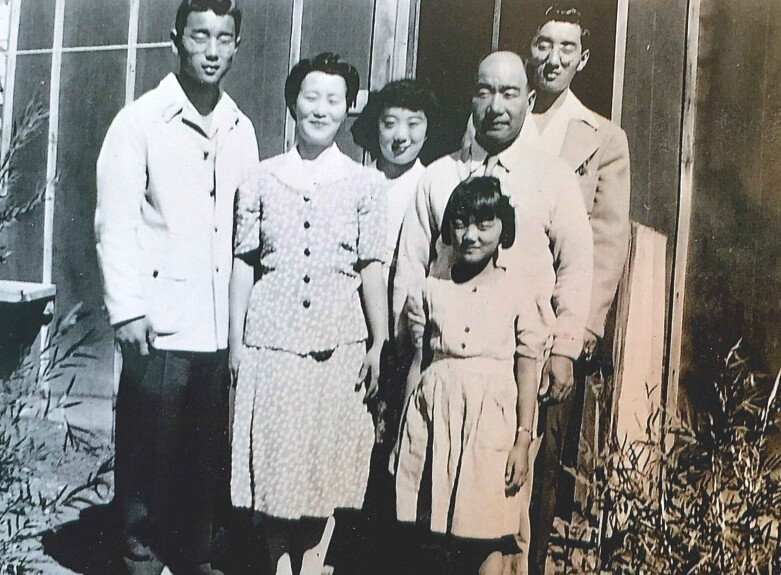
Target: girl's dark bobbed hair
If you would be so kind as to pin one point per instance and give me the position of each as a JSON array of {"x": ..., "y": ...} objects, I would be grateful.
[
  {"x": 479, "y": 198},
  {"x": 328, "y": 63},
  {"x": 408, "y": 94}
]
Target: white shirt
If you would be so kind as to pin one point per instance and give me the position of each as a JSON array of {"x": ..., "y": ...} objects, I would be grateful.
[{"x": 400, "y": 196}]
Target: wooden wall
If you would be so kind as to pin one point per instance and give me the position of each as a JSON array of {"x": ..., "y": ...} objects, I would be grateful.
[{"x": 734, "y": 270}]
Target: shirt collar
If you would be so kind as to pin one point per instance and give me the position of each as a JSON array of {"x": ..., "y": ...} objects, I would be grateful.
[
  {"x": 329, "y": 167},
  {"x": 225, "y": 114},
  {"x": 509, "y": 157}
]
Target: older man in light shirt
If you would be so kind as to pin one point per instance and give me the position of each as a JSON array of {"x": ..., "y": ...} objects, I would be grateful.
[{"x": 553, "y": 249}]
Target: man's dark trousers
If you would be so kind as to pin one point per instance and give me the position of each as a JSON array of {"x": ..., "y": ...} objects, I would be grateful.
[
  {"x": 172, "y": 454},
  {"x": 560, "y": 425}
]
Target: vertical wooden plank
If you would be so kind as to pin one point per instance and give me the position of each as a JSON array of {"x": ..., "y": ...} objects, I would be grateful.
[
  {"x": 496, "y": 24},
  {"x": 686, "y": 188},
  {"x": 384, "y": 31},
  {"x": 9, "y": 83},
  {"x": 619, "y": 64},
  {"x": 132, "y": 50},
  {"x": 414, "y": 38},
  {"x": 51, "y": 158},
  {"x": 296, "y": 30},
  {"x": 401, "y": 41},
  {"x": 51, "y": 163}
]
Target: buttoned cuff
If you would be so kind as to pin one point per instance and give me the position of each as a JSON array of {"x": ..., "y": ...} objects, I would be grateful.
[{"x": 567, "y": 346}]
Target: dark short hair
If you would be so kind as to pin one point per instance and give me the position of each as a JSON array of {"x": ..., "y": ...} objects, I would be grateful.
[
  {"x": 408, "y": 94},
  {"x": 327, "y": 63},
  {"x": 566, "y": 13},
  {"x": 480, "y": 198},
  {"x": 219, "y": 7}
]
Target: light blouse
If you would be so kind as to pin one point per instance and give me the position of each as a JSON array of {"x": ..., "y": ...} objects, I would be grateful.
[
  {"x": 495, "y": 319},
  {"x": 310, "y": 227}
]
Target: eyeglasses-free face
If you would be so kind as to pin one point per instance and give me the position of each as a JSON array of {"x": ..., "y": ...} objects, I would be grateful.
[{"x": 207, "y": 46}]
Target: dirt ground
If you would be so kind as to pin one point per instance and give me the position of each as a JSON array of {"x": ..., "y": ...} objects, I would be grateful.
[
  {"x": 72, "y": 486},
  {"x": 65, "y": 471}
]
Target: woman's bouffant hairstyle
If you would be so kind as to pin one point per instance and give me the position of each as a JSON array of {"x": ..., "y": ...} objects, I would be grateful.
[
  {"x": 219, "y": 7},
  {"x": 408, "y": 94},
  {"x": 480, "y": 198},
  {"x": 328, "y": 63}
]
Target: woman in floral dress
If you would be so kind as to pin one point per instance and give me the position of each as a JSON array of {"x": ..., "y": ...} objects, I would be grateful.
[{"x": 308, "y": 319}]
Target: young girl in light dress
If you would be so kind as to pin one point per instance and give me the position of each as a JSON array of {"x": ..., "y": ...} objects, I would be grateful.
[{"x": 470, "y": 417}]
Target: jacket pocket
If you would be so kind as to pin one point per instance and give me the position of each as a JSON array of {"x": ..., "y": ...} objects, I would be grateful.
[{"x": 165, "y": 297}]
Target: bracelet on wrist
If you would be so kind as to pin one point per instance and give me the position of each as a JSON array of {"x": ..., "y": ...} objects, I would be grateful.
[{"x": 522, "y": 429}]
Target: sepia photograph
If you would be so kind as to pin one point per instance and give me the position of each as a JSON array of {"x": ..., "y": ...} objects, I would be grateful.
[{"x": 390, "y": 287}]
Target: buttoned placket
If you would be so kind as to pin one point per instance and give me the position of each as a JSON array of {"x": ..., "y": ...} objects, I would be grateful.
[
  {"x": 467, "y": 328},
  {"x": 307, "y": 226}
]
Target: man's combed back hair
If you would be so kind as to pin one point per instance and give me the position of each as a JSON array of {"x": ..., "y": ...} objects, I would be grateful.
[
  {"x": 567, "y": 13},
  {"x": 480, "y": 198},
  {"x": 328, "y": 63},
  {"x": 219, "y": 7}
]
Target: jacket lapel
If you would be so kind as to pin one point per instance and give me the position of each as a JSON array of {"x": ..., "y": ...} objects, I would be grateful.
[{"x": 580, "y": 144}]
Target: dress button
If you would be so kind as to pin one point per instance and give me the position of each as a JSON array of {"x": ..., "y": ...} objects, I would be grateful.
[
  {"x": 307, "y": 303},
  {"x": 466, "y": 329},
  {"x": 474, "y": 289},
  {"x": 306, "y": 225},
  {"x": 155, "y": 273},
  {"x": 306, "y": 198},
  {"x": 307, "y": 252},
  {"x": 307, "y": 279},
  {"x": 463, "y": 346}
]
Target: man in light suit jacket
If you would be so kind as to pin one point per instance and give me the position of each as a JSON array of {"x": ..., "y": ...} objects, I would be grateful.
[
  {"x": 598, "y": 152},
  {"x": 167, "y": 175}
]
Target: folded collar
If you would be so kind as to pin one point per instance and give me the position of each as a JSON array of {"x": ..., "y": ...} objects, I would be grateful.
[
  {"x": 331, "y": 166},
  {"x": 226, "y": 113}
]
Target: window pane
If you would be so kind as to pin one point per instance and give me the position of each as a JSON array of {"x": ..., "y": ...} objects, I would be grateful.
[
  {"x": 36, "y": 25},
  {"x": 25, "y": 238},
  {"x": 95, "y": 22},
  {"x": 156, "y": 18}
]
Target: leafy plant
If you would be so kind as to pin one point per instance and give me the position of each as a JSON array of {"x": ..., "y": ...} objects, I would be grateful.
[
  {"x": 704, "y": 501},
  {"x": 28, "y": 503}
]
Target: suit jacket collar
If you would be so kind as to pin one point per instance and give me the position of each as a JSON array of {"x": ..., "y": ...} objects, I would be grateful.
[{"x": 581, "y": 140}]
